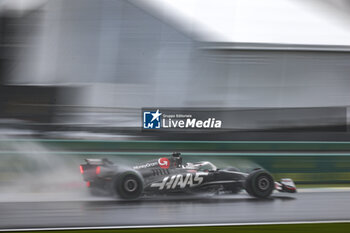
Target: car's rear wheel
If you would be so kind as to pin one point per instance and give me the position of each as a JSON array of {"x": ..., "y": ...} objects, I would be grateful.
[
  {"x": 128, "y": 185},
  {"x": 259, "y": 184}
]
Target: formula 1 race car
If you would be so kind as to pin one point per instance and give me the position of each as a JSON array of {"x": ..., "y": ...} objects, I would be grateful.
[{"x": 169, "y": 175}]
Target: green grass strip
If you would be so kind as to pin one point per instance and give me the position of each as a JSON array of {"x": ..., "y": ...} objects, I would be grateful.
[{"x": 285, "y": 228}]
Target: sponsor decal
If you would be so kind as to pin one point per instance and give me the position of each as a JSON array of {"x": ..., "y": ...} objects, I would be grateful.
[
  {"x": 158, "y": 120},
  {"x": 180, "y": 181},
  {"x": 146, "y": 165},
  {"x": 164, "y": 163}
]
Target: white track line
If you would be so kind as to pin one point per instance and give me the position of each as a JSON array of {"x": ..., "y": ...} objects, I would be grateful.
[
  {"x": 324, "y": 190},
  {"x": 170, "y": 226}
]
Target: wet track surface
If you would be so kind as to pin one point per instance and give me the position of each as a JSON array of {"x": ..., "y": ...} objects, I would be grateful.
[{"x": 190, "y": 210}]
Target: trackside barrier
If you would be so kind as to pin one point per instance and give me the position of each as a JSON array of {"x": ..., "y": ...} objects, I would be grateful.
[{"x": 305, "y": 162}]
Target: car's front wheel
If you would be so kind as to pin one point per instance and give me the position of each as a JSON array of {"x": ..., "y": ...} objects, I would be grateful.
[{"x": 259, "y": 184}]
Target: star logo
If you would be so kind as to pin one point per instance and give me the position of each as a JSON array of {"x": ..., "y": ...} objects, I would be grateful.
[
  {"x": 156, "y": 115},
  {"x": 152, "y": 119}
]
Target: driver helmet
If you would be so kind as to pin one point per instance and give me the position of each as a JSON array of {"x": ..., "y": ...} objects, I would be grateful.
[{"x": 176, "y": 156}]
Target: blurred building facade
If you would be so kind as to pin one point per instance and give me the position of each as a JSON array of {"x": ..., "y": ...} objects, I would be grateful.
[{"x": 107, "y": 59}]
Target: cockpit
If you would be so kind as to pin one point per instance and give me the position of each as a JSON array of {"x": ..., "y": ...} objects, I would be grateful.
[{"x": 204, "y": 166}]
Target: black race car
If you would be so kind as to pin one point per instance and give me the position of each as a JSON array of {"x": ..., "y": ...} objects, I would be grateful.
[{"x": 170, "y": 175}]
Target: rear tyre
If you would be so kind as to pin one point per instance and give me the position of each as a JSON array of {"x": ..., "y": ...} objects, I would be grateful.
[
  {"x": 128, "y": 185},
  {"x": 259, "y": 184}
]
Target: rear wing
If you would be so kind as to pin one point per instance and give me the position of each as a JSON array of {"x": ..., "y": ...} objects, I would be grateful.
[
  {"x": 93, "y": 167},
  {"x": 98, "y": 162}
]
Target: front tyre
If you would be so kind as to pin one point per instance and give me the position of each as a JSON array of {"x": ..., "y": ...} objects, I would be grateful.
[
  {"x": 128, "y": 185},
  {"x": 259, "y": 184}
]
